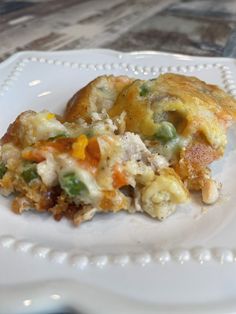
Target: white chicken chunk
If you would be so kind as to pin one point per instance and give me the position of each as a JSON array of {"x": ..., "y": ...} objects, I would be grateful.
[{"x": 160, "y": 196}]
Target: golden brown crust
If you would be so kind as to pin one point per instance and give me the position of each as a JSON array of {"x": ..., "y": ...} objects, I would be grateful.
[
  {"x": 139, "y": 114},
  {"x": 12, "y": 134},
  {"x": 193, "y": 163},
  {"x": 213, "y": 96},
  {"x": 189, "y": 96},
  {"x": 98, "y": 94},
  {"x": 198, "y": 112}
]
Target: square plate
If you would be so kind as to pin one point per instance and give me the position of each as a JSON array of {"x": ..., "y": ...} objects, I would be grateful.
[{"x": 195, "y": 233}]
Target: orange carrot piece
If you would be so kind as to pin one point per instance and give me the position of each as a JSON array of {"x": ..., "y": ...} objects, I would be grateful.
[{"x": 119, "y": 177}]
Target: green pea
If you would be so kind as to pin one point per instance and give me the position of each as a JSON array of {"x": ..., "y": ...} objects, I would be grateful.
[
  {"x": 29, "y": 173},
  {"x": 165, "y": 131},
  {"x": 61, "y": 135},
  {"x": 72, "y": 185},
  {"x": 3, "y": 169},
  {"x": 144, "y": 90}
]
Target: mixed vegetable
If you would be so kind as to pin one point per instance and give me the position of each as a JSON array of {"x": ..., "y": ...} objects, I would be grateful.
[
  {"x": 30, "y": 172},
  {"x": 72, "y": 185},
  {"x": 165, "y": 132}
]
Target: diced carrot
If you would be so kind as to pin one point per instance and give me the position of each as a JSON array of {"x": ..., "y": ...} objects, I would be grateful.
[
  {"x": 79, "y": 146},
  {"x": 91, "y": 158},
  {"x": 33, "y": 155},
  {"x": 60, "y": 144},
  {"x": 93, "y": 148},
  {"x": 119, "y": 177}
]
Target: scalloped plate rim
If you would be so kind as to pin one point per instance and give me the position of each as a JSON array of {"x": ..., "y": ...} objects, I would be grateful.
[{"x": 18, "y": 55}]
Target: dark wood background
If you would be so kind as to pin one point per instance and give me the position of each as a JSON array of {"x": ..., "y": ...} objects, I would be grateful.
[{"x": 206, "y": 28}]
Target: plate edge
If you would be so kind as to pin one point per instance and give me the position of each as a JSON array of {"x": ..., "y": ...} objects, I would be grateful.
[{"x": 111, "y": 52}]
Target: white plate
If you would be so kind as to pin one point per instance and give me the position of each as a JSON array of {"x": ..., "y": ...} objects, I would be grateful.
[{"x": 102, "y": 260}]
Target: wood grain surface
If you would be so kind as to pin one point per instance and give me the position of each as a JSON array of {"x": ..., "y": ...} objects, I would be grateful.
[{"x": 206, "y": 28}]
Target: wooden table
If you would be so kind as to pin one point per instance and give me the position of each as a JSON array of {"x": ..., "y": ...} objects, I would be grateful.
[{"x": 204, "y": 28}]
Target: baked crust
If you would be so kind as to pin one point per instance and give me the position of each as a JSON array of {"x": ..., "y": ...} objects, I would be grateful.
[
  {"x": 123, "y": 144},
  {"x": 200, "y": 113},
  {"x": 98, "y": 95}
]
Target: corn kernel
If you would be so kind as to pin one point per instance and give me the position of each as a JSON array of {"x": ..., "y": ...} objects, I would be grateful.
[
  {"x": 78, "y": 148},
  {"x": 50, "y": 116}
]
